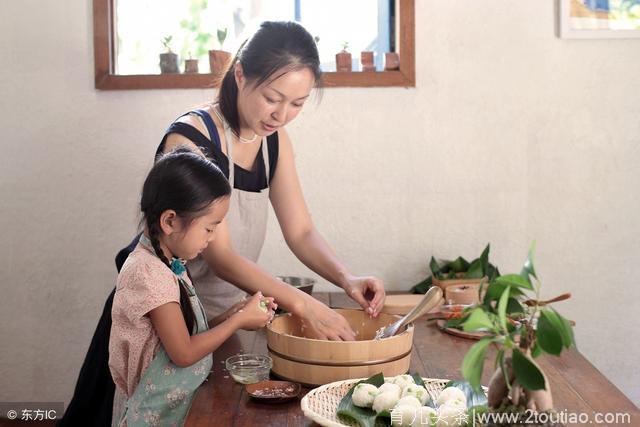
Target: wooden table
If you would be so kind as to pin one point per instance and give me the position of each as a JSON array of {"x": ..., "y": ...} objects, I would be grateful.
[{"x": 577, "y": 386}]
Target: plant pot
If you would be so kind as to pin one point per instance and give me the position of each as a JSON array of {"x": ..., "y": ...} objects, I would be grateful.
[
  {"x": 391, "y": 61},
  {"x": 366, "y": 59},
  {"x": 191, "y": 66},
  {"x": 169, "y": 63},
  {"x": 343, "y": 61},
  {"x": 218, "y": 61}
]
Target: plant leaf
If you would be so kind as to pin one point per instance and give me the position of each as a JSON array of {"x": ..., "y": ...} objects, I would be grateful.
[
  {"x": 526, "y": 372},
  {"x": 514, "y": 306},
  {"x": 459, "y": 265},
  {"x": 365, "y": 417},
  {"x": 484, "y": 260},
  {"x": 528, "y": 268},
  {"x": 478, "y": 319},
  {"x": 473, "y": 363},
  {"x": 434, "y": 266},
  {"x": 548, "y": 334},
  {"x": 514, "y": 280},
  {"x": 474, "y": 398},
  {"x": 423, "y": 286},
  {"x": 502, "y": 308},
  {"x": 561, "y": 325},
  {"x": 568, "y": 338},
  {"x": 475, "y": 270}
]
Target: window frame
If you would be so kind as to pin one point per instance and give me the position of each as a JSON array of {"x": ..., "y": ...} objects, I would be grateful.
[{"x": 106, "y": 79}]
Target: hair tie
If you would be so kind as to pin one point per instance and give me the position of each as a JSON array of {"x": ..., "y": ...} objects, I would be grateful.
[{"x": 177, "y": 266}]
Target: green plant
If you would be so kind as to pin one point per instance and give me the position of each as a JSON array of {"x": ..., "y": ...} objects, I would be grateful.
[
  {"x": 166, "y": 43},
  {"x": 459, "y": 268},
  {"x": 522, "y": 327},
  {"x": 222, "y": 36},
  {"x": 345, "y": 46}
]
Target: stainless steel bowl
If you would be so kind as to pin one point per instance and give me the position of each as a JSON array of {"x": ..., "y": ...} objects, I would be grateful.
[{"x": 305, "y": 284}]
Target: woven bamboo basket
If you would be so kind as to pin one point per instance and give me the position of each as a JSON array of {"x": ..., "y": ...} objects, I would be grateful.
[
  {"x": 321, "y": 404},
  {"x": 314, "y": 362}
]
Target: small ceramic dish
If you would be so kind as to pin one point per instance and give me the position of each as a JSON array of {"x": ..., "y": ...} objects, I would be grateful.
[{"x": 273, "y": 391}]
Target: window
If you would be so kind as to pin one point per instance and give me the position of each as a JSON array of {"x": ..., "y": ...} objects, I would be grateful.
[{"x": 128, "y": 36}]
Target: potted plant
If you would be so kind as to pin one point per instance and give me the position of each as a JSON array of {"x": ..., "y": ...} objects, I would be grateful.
[
  {"x": 168, "y": 60},
  {"x": 218, "y": 59},
  {"x": 521, "y": 327},
  {"x": 366, "y": 59},
  {"x": 191, "y": 64},
  {"x": 343, "y": 59},
  {"x": 459, "y": 279}
]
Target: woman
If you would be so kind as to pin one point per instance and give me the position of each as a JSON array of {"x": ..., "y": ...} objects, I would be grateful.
[{"x": 265, "y": 88}]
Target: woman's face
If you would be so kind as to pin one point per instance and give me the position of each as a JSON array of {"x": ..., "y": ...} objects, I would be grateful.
[{"x": 273, "y": 104}]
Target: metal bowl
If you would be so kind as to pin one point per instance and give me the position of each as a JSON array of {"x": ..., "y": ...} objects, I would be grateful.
[{"x": 305, "y": 284}]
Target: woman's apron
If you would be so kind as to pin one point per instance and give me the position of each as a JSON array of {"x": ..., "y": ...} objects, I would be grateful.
[
  {"x": 247, "y": 222},
  {"x": 165, "y": 391}
]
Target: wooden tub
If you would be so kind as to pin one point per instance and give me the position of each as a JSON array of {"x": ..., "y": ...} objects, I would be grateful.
[{"x": 314, "y": 362}]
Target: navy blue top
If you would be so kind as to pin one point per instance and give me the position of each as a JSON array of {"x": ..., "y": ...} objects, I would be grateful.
[{"x": 245, "y": 180}]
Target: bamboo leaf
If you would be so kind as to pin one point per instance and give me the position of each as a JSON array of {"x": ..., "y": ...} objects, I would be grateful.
[
  {"x": 459, "y": 265},
  {"x": 365, "y": 417},
  {"x": 473, "y": 363},
  {"x": 433, "y": 265},
  {"x": 474, "y": 398},
  {"x": 475, "y": 270},
  {"x": 484, "y": 260},
  {"x": 526, "y": 372}
]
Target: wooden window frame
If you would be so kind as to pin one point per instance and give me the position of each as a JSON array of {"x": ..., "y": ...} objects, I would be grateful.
[{"x": 106, "y": 79}]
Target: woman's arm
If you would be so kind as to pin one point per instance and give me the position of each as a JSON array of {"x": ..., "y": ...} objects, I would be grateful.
[
  {"x": 306, "y": 242},
  {"x": 184, "y": 349}
]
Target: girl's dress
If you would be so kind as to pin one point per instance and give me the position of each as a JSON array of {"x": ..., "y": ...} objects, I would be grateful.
[{"x": 157, "y": 392}]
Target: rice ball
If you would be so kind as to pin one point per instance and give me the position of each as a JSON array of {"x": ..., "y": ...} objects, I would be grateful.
[
  {"x": 390, "y": 387},
  {"x": 409, "y": 400},
  {"x": 363, "y": 395},
  {"x": 404, "y": 415},
  {"x": 385, "y": 401},
  {"x": 416, "y": 391},
  {"x": 452, "y": 416},
  {"x": 403, "y": 380},
  {"x": 450, "y": 393},
  {"x": 426, "y": 416}
]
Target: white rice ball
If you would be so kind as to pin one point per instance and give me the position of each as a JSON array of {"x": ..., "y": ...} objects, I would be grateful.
[
  {"x": 416, "y": 391},
  {"x": 426, "y": 416},
  {"x": 409, "y": 400},
  {"x": 404, "y": 416},
  {"x": 403, "y": 380},
  {"x": 364, "y": 394},
  {"x": 450, "y": 393},
  {"x": 385, "y": 401},
  {"x": 390, "y": 387},
  {"x": 452, "y": 415}
]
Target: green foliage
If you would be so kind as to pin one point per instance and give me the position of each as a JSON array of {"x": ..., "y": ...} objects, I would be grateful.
[
  {"x": 365, "y": 417},
  {"x": 166, "y": 42}
]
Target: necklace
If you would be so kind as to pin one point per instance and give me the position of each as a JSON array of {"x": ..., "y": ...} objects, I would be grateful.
[{"x": 224, "y": 122}]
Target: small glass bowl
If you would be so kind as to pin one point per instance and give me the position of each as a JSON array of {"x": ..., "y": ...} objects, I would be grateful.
[{"x": 249, "y": 368}]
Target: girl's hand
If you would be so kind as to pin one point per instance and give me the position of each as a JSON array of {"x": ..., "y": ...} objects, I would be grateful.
[
  {"x": 323, "y": 323},
  {"x": 366, "y": 291},
  {"x": 256, "y": 313}
]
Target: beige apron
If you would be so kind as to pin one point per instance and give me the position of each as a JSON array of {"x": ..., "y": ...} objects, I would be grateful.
[{"x": 247, "y": 222}]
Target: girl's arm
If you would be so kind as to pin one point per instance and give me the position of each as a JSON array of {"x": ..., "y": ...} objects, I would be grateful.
[
  {"x": 306, "y": 242},
  {"x": 185, "y": 350}
]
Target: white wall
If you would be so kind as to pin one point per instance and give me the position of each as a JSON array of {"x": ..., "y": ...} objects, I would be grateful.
[{"x": 510, "y": 135}]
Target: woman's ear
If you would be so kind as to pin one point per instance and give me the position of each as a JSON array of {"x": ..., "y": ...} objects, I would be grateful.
[
  {"x": 238, "y": 74},
  {"x": 169, "y": 222}
]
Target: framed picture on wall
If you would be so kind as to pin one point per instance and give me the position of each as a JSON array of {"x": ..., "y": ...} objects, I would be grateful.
[{"x": 596, "y": 19}]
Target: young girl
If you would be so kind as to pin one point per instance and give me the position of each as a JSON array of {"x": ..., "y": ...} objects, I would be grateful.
[{"x": 160, "y": 346}]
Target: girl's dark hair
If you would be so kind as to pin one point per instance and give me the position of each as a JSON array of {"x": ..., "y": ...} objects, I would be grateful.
[
  {"x": 187, "y": 183},
  {"x": 276, "y": 45}
]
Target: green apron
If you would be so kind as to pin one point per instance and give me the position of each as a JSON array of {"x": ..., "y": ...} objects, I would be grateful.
[{"x": 165, "y": 391}]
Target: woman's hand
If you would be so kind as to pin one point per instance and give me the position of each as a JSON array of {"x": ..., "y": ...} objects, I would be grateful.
[
  {"x": 256, "y": 312},
  {"x": 366, "y": 291},
  {"x": 323, "y": 323}
]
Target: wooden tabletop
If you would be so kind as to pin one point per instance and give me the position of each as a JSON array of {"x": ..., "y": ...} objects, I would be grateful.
[{"x": 577, "y": 386}]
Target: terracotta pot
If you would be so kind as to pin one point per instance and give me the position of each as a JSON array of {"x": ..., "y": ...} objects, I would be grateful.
[
  {"x": 391, "y": 61},
  {"x": 169, "y": 63},
  {"x": 218, "y": 61},
  {"x": 343, "y": 61},
  {"x": 366, "y": 59},
  {"x": 191, "y": 66}
]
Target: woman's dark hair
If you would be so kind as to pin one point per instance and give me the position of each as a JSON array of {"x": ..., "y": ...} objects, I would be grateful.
[
  {"x": 187, "y": 183},
  {"x": 276, "y": 45}
]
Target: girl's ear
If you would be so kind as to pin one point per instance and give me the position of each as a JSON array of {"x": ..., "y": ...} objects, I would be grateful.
[
  {"x": 238, "y": 74},
  {"x": 169, "y": 222}
]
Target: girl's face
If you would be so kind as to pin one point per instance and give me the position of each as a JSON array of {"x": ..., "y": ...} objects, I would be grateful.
[
  {"x": 273, "y": 104},
  {"x": 191, "y": 239}
]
